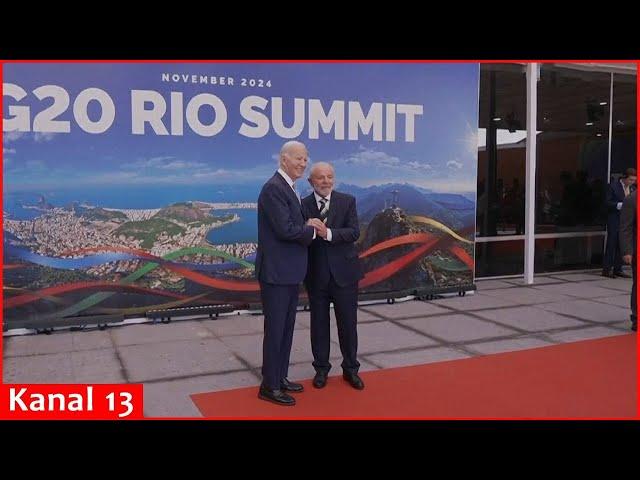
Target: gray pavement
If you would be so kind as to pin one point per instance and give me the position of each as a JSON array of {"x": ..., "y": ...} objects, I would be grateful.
[{"x": 184, "y": 357}]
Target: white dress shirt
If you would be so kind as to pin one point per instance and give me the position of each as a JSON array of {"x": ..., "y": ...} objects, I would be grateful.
[
  {"x": 289, "y": 181},
  {"x": 625, "y": 188}
]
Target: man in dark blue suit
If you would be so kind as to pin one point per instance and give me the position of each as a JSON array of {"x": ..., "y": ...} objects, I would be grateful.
[
  {"x": 333, "y": 274},
  {"x": 281, "y": 265},
  {"x": 616, "y": 193}
]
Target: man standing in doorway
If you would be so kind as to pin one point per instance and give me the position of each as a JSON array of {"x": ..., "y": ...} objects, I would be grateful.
[{"x": 616, "y": 193}]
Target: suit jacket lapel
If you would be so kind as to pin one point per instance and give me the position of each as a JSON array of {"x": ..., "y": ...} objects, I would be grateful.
[
  {"x": 333, "y": 208},
  {"x": 312, "y": 206},
  {"x": 314, "y": 209},
  {"x": 289, "y": 189}
]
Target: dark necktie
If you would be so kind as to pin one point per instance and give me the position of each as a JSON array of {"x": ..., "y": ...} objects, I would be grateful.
[{"x": 324, "y": 209}]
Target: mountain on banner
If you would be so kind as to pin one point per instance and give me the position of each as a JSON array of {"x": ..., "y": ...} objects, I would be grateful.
[
  {"x": 453, "y": 210},
  {"x": 419, "y": 252}
]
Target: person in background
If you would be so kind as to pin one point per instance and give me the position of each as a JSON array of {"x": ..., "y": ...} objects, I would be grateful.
[
  {"x": 616, "y": 193},
  {"x": 628, "y": 243}
]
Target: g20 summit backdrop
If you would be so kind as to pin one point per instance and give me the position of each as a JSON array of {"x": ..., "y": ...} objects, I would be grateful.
[{"x": 132, "y": 187}]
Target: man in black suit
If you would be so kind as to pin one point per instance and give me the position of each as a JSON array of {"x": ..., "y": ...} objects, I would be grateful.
[
  {"x": 333, "y": 274},
  {"x": 281, "y": 265},
  {"x": 616, "y": 193},
  {"x": 628, "y": 242}
]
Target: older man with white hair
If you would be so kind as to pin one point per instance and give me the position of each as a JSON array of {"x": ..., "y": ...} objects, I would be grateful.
[
  {"x": 281, "y": 265},
  {"x": 333, "y": 274}
]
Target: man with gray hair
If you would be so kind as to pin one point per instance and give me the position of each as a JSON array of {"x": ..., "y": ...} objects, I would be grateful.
[
  {"x": 333, "y": 274},
  {"x": 281, "y": 265}
]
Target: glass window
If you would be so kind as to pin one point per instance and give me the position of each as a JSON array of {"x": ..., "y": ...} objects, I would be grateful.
[
  {"x": 499, "y": 258},
  {"x": 553, "y": 254},
  {"x": 501, "y": 150},
  {"x": 572, "y": 149},
  {"x": 624, "y": 123}
]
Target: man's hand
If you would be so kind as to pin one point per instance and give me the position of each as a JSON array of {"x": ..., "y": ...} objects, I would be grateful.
[
  {"x": 321, "y": 228},
  {"x": 322, "y": 231},
  {"x": 627, "y": 259}
]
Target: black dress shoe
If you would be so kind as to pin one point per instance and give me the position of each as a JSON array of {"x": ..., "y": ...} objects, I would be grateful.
[
  {"x": 621, "y": 275},
  {"x": 320, "y": 380},
  {"x": 608, "y": 273},
  {"x": 288, "y": 386},
  {"x": 354, "y": 380},
  {"x": 276, "y": 396}
]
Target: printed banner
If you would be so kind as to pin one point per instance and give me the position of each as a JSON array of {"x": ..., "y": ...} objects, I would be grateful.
[{"x": 130, "y": 187}]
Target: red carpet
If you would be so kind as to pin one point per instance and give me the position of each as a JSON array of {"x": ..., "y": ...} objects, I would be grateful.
[{"x": 587, "y": 379}]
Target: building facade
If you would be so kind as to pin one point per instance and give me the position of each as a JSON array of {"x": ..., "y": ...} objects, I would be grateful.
[{"x": 551, "y": 138}]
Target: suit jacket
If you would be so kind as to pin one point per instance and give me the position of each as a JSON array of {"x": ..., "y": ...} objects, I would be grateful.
[
  {"x": 615, "y": 194},
  {"x": 628, "y": 221},
  {"x": 338, "y": 257},
  {"x": 283, "y": 237}
]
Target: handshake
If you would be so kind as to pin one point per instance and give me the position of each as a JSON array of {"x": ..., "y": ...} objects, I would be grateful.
[{"x": 319, "y": 226}]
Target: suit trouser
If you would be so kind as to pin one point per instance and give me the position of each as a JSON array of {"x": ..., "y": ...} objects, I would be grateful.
[
  {"x": 612, "y": 252},
  {"x": 279, "y": 303},
  {"x": 345, "y": 302}
]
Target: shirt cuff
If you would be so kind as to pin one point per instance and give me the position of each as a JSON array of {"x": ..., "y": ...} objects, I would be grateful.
[{"x": 328, "y": 235}]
